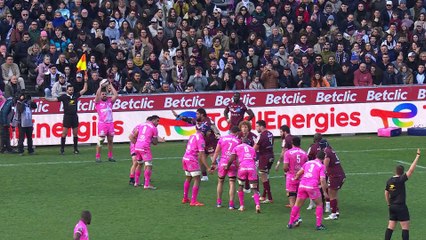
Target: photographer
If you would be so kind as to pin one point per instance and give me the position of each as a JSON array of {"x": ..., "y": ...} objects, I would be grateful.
[{"x": 24, "y": 105}]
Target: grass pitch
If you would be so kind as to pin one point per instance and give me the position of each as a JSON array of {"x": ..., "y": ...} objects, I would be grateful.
[{"x": 41, "y": 196}]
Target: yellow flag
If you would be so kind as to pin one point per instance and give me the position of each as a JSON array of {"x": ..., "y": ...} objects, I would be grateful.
[{"x": 82, "y": 64}]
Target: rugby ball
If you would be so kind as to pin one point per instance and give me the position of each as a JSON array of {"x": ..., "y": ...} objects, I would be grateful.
[{"x": 104, "y": 83}]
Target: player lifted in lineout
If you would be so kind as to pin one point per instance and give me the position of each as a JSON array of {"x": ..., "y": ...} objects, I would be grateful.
[
  {"x": 200, "y": 120},
  {"x": 312, "y": 174},
  {"x": 194, "y": 154},
  {"x": 245, "y": 155},
  {"x": 225, "y": 146},
  {"x": 104, "y": 106},
  {"x": 143, "y": 136}
]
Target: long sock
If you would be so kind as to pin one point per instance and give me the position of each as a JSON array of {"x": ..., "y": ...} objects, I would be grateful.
[
  {"x": 256, "y": 198},
  {"x": 241, "y": 197},
  {"x": 63, "y": 142},
  {"x": 319, "y": 212},
  {"x": 147, "y": 175},
  {"x": 75, "y": 140},
  {"x": 247, "y": 185},
  {"x": 388, "y": 234},
  {"x": 98, "y": 155},
  {"x": 204, "y": 173},
  {"x": 327, "y": 202},
  {"x": 194, "y": 193},
  {"x": 109, "y": 154},
  {"x": 294, "y": 213},
  {"x": 265, "y": 189},
  {"x": 132, "y": 175},
  {"x": 268, "y": 189},
  {"x": 231, "y": 203},
  {"x": 186, "y": 186},
  {"x": 219, "y": 201},
  {"x": 405, "y": 235},
  {"x": 333, "y": 205},
  {"x": 137, "y": 177}
]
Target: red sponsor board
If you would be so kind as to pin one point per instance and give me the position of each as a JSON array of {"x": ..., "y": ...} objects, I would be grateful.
[{"x": 250, "y": 98}]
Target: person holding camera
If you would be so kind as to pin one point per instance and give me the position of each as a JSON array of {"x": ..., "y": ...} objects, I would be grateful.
[{"x": 24, "y": 122}]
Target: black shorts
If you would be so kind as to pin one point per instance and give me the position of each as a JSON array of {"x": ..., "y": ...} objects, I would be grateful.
[
  {"x": 70, "y": 121},
  {"x": 265, "y": 163},
  {"x": 399, "y": 213}
]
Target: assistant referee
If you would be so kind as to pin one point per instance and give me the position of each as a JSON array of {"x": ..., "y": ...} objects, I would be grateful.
[
  {"x": 395, "y": 198},
  {"x": 70, "y": 103}
]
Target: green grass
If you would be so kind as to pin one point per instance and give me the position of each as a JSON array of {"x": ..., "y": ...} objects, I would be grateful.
[{"x": 40, "y": 199}]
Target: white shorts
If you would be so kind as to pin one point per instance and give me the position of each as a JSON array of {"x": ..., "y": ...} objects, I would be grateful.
[
  {"x": 146, "y": 163},
  {"x": 193, "y": 174}
]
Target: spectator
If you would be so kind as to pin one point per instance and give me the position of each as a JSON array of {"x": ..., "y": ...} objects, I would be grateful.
[
  {"x": 50, "y": 77},
  {"x": 256, "y": 84},
  {"x": 391, "y": 77},
  {"x": 198, "y": 80},
  {"x": 60, "y": 87},
  {"x": 12, "y": 88},
  {"x": 318, "y": 81},
  {"x": 419, "y": 76},
  {"x": 344, "y": 78},
  {"x": 10, "y": 69},
  {"x": 362, "y": 77},
  {"x": 269, "y": 77},
  {"x": 302, "y": 79},
  {"x": 24, "y": 106},
  {"x": 406, "y": 74},
  {"x": 128, "y": 88},
  {"x": 242, "y": 81},
  {"x": 165, "y": 88}
]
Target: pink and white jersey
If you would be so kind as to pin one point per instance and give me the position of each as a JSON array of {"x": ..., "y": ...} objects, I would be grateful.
[
  {"x": 314, "y": 170},
  {"x": 104, "y": 109},
  {"x": 246, "y": 156},
  {"x": 195, "y": 144},
  {"x": 146, "y": 132},
  {"x": 227, "y": 144},
  {"x": 82, "y": 229},
  {"x": 295, "y": 157}
]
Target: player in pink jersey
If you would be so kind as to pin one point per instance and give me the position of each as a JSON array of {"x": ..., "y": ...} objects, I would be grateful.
[
  {"x": 194, "y": 154},
  {"x": 237, "y": 109},
  {"x": 225, "y": 146},
  {"x": 80, "y": 229},
  {"x": 294, "y": 158},
  {"x": 103, "y": 106},
  {"x": 143, "y": 136},
  {"x": 249, "y": 137},
  {"x": 312, "y": 153},
  {"x": 246, "y": 157},
  {"x": 199, "y": 121},
  {"x": 312, "y": 173},
  {"x": 134, "y": 164}
]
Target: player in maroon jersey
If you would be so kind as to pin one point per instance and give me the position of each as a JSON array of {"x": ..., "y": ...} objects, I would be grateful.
[
  {"x": 336, "y": 177},
  {"x": 285, "y": 145},
  {"x": 237, "y": 109},
  {"x": 265, "y": 152},
  {"x": 201, "y": 120},
  {"x": 312, "y": 153},
  {"x": 250, "y": 138}
]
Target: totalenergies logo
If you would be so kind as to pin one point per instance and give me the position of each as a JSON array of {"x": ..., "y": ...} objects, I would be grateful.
[
  {"x": 402, "y": 111},
  {"x": 181, "y": 127}
]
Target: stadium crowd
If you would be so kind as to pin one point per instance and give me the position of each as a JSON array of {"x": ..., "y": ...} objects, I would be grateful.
[{"x": 164, "y": 46}]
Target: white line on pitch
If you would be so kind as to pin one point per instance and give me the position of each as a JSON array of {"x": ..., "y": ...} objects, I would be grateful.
[
  {"x": 353, "y": 174},
  {"x": 409, "y": 164}
]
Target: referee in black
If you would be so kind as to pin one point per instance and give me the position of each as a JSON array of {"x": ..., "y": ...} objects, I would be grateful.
[
  {"x": 70, "y": 103},
  {"x": 395, "y": 198}
]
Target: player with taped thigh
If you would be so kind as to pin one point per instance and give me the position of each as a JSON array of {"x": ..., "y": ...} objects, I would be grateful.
[
  {"x": 225, "y": 146},
  {"x": 134, "y": 164},
  {"x": 103, "y": 106},
  {"x": 246, "y": 157},
  {"x": 143, "y": 135},
  {"x": 294, "y": 159},
  {"x": 265, "y": 152},
  {"x": 194, "y": 154}
]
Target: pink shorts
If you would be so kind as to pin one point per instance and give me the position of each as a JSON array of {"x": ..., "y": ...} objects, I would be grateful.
[
  {"x": 247, "y": 174},
  {"x": 190, "y": 165},
  {"x": 305, "y": 193},
  {"x": 105, "y": 129},
  {"x": 290, "y": 184},
  {"x": 143, "y": 155},
  {"x": 222, "y": 172}
]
